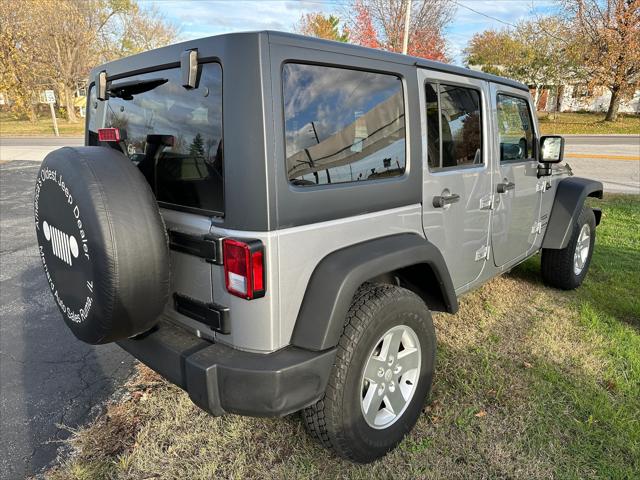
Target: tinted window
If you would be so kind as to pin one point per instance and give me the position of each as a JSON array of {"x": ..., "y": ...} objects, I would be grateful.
[
  {"x": 173, "y": 134},
  {"x": 342, "y": 125},
  {"x": 433, "y": 126},
  {"x": 515, "y": 129},
  {"x": 453, "y": 126}
]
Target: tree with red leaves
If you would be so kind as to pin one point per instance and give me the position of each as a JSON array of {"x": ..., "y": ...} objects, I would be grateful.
[
  {"x": 380, "y": 24},
  {"x": 363, "y": 31}
]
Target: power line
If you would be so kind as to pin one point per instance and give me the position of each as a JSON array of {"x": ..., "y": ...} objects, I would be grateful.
[
  {"x": 484, "y": 14},
  {"x": 542, "y": 30}
]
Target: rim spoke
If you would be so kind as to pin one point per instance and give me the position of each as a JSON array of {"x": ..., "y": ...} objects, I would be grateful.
[
  {"x": 391, "y": 345},
  {"x": 394, "y": 346},
  {"x": 371, "y": 403},
  {"x": 408, "y": 359},
  {"x": 371, "y": 371},
  {"x": 394, "y": 400},
  {"x": 584, "y": 253}
]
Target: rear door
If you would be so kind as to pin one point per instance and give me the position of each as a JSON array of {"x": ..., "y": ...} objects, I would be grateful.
[
  {"x": 173, "y": 135},
  {"x": 517, "y": 190},
  {"x": 457, "y": 177}
]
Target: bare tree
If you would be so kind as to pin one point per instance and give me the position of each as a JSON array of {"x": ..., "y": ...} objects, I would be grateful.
[{"x": 137, "y": 30}]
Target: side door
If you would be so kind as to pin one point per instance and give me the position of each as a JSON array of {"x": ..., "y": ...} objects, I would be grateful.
[
  {"x": 457, "y": 177},
  {"x": 516, "y": 188}
]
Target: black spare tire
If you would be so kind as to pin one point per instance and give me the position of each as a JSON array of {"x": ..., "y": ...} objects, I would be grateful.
[{"x": 102, "y": 242}]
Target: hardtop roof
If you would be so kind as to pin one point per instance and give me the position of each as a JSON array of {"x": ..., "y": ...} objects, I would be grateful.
[
  {"x": 351, "y": 49},
  {"x": 159, "y": 56}
]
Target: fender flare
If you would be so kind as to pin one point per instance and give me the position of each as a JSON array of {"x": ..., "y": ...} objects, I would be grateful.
[
  {"x": 570, "y": 196},
  {"x": 337, "y": 276}
]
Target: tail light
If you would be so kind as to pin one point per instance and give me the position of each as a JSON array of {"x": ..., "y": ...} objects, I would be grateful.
[
  {"x": 244, "y": 272},
  {"x": 109, "y": 134}
]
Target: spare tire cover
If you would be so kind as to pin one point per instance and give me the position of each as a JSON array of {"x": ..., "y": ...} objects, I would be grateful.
[{"x": 103, "y": 243}]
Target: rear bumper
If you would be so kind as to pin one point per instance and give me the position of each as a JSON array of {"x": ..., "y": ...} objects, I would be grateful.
[{"x": 220, "y": 379}]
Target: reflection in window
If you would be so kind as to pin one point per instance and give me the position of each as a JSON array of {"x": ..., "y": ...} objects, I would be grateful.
[
  {"x": 342, "y": 125},
  {"x": 454, "y": 132},
  {"x": 515, "y": 129},
  {"x": 174, "y": 134}
]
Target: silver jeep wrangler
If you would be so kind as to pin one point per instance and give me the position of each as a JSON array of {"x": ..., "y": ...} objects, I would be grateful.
[{"x": 268, "y": 220}]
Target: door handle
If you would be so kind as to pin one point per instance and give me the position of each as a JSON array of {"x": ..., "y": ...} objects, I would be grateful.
[
  {"x": 505, "y": 187},
  {"x": 443, "y": 200}
]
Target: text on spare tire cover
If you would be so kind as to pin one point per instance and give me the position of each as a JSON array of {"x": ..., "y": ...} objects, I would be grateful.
[{"x": 70, "y": 247}]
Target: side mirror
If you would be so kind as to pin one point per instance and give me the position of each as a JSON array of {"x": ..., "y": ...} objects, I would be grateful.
[{"x": 551, "y": 149}]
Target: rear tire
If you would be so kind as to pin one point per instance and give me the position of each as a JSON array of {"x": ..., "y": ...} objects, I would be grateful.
[
  {"x": 567, "y": 268},
  {"x": 348, "y": 419}
]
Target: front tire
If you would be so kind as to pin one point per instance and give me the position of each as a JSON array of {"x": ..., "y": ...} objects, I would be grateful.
[
  {"x": 381, "y": 377},
  {"x": 567, "y": 268}
]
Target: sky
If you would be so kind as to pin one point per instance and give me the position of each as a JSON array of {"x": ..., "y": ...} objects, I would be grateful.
[{"x": 201, "y": 18}]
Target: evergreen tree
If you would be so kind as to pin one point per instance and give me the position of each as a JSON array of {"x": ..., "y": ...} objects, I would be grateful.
[{"x": 196, "y": 149}]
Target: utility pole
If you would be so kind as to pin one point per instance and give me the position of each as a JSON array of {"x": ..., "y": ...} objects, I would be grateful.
[{"x": 405, "y": 40}]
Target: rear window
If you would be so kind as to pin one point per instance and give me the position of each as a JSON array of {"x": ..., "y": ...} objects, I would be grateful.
[
  {"x": 454, "y": 127},
  {"x": 342, "y": 125},
  {"x": 172, "y": 134}
]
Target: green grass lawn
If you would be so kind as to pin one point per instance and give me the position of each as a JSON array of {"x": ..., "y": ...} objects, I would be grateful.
[
  {"x": 11, "y": 126},
  {"x": 531, "y": 383},
  {"x": 587, "y": 123}
]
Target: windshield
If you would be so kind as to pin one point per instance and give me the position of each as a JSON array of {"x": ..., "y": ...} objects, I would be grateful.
[{"x": 171, "y": 133}]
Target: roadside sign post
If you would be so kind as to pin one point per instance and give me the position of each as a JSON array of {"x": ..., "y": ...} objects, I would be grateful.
[{"x": 50, "y": 98}]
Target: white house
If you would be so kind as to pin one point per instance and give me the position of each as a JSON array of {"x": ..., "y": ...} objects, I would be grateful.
[{"x": 580, "y": 98}]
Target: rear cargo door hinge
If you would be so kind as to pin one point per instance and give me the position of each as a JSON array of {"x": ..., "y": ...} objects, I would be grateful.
[
  {"x": 537, "y": 228},
  {"x": 486, "y": 202},
  {"x": 211, "y": 314},
  {"x": 203, "y": 246},
  {"x": 482, "y": 253}
]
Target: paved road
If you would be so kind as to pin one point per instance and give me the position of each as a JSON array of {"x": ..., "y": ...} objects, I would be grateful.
[
  {"x": 33, "y": 148},
  {"x": 40, "y": 141},
  {"x": 612, "y": 159},
  {"x": 47, "y": 377},
  {"x": 604, "y": 140}
]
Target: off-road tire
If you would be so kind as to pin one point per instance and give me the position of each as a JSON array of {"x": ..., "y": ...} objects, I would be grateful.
[
  {"x": 336, "y": 420},
  {"x": 557, "y": 266}
]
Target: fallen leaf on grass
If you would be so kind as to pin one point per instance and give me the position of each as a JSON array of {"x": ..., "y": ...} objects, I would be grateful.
[
  {"x": 481, "y": 414},
  {"x": 137, "y": 395}
]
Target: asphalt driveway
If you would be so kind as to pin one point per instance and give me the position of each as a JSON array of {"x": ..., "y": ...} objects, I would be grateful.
[{"x": 47, "y": 378}]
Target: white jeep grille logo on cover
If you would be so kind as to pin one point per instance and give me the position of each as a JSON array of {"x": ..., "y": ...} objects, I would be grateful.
[{"x": 65, "y": 247}]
